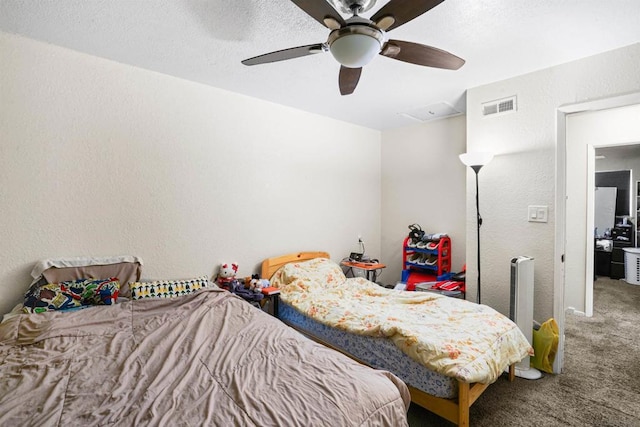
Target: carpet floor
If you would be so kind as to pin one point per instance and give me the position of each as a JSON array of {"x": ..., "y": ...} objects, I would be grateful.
[{"x": 600, "y": 383}]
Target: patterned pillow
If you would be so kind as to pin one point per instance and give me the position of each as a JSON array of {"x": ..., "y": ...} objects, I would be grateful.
[
  {"x": 43, "y": 297},
  {"x": 167, "y": 288}
]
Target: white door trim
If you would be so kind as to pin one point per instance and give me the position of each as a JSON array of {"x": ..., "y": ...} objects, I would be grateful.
[
  {"x": 591, "y": 207},
  {"x": 561, "y": 200},
  {"x": 560, "y": 221}
]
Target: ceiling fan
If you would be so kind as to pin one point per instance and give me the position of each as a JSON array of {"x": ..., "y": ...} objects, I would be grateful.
[{"x": 356, "y": 41}]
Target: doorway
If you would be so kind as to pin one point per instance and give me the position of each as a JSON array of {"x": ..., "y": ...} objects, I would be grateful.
[
  {"x": 581, "y": 127},
  {"x": 617, "y": 170}
]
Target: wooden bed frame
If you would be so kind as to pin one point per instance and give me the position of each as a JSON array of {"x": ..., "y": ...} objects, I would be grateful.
[{"x": 454, "y": 410}]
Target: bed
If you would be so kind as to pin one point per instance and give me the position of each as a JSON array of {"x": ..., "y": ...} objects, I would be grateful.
[
  {"x": 174, "y": 352},
  {"x": 444, "y": 372}
]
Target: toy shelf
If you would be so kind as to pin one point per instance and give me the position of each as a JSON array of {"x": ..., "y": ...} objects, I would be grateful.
[{"x": 439, "y": 255}]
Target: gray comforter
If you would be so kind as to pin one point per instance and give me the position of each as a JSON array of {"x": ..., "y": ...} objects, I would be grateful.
[{"x": 208, "y": 358}]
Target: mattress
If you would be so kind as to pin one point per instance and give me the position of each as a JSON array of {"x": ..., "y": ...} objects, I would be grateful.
[
  {"x": 456, "y": 338},
  {"x": 378, "y": 352},
  {"x": 207, "y": 358}
]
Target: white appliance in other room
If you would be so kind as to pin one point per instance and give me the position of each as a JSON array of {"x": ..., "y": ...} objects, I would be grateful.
[{"x": 521, "y": 309}]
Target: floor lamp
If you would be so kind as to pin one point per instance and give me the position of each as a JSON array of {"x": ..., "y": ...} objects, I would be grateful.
[{"x": 476, "y": 161}]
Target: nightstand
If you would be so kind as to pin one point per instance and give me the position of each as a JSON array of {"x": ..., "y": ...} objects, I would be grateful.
[
  {"x": 369, "y": 268},
  {"x": 270, "y": 302}
]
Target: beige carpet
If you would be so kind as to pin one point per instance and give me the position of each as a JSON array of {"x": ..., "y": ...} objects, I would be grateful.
[{"x": 600, "y": 384}]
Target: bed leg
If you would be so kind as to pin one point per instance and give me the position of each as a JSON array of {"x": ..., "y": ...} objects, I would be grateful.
[
  {"x": 463, "y": 404},
  {"x": 512, "y": 372}
]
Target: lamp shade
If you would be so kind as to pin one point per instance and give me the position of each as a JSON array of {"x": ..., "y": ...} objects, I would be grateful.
[
  {"x": 479, "y": 158},
  {"x": 355, "y": 46}
]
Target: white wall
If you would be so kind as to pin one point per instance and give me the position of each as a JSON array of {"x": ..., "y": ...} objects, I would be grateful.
[
  {"x": 523, "y": 172},
  {"x": 631, "y": 163},
  {"x": 423, "y": 181},
  {"x": 99, "y": 158},
  {"x": 596, "y": 128}
]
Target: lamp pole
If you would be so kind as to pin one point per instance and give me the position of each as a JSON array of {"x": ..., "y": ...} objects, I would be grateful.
[
  {"x": 475, "y": 161},
  {"x": 476, "y": 169}
]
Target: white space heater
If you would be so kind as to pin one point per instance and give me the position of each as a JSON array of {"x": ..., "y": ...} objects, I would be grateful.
[{"x": 521, "y": 309}]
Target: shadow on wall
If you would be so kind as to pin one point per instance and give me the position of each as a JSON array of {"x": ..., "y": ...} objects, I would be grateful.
[
  {"x": 508, "y": 186},
  {"x": 13, "y": 295}
]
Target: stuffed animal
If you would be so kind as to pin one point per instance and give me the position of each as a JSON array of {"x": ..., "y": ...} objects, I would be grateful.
[
  {"x": 226, "y": 278},
  {"x": 250, "y": 280},
  {"x": 257, "y": 285}
]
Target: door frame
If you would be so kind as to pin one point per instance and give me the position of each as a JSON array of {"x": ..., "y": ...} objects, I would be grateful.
[{"x": 560, "y": 212}]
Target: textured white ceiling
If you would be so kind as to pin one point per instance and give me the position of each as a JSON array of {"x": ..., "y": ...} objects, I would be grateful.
[{"x": 205, "y": 40}]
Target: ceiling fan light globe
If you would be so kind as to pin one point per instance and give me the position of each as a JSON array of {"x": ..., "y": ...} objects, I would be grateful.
[
  {"x": 355, "y": 45},
  {"x": 355, "y": 50}
]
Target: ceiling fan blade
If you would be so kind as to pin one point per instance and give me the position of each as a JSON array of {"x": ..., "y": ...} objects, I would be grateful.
[
  {"x": 281, "y": 55},
  {"x": 403, "y": 11},
  {"x": 415, "y": 53},
  {"x": 348, "y": 79},
  {"x": 320, "y": 10}
]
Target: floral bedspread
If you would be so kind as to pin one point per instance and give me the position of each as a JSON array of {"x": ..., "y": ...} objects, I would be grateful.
[{"x": 457, "y": 338}]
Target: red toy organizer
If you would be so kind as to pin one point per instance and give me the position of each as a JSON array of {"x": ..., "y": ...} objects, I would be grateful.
[{"x": 413, "y": 272}]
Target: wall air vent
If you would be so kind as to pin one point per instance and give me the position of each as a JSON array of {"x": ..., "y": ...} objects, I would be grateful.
[{"x": 500, "y": 106}]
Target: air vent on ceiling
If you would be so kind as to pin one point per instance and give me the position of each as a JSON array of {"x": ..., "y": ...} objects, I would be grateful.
[
  {"x": 432, "y": 112},
  {"x": 500, "y": 106}
]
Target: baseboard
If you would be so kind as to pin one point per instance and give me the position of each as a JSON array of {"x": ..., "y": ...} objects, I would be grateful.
[{"x": 571, "y": 310}]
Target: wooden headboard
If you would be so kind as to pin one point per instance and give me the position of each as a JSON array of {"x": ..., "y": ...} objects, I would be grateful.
[{"x": 271, "y": 265}]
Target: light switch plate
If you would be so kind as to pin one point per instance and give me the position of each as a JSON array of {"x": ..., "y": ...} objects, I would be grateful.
[{"x": 538, "y": 213}]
